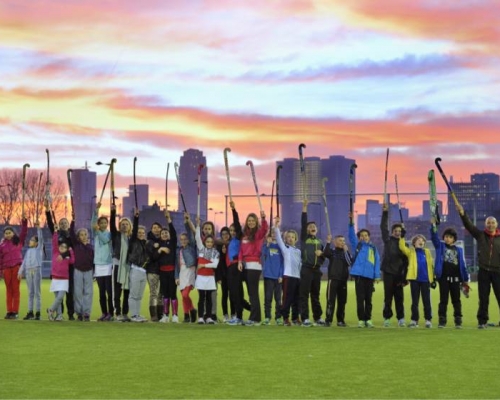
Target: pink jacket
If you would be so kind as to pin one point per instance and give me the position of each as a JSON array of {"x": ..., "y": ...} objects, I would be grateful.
[
  {"x": 60, "y": 268},
  {"x": 251, "y": 250},
  {"x": 10, "y": 253}
]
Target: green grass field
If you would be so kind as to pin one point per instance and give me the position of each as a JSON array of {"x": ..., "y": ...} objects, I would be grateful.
[{"x": 42, "y": 359}]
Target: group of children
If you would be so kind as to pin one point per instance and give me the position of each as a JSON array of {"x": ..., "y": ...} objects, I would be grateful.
[{"x": 123, "y": 260}]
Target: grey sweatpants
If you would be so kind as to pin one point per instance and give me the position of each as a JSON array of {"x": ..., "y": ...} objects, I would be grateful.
[
  {"x": 56, "y": 305},
  {"x": 83, "y": 291},
  {"x": 137, "y": 284},
  {"x": 34, "y": 282}
]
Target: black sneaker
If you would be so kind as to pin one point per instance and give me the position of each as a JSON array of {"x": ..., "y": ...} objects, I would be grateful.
[
  {"x": 37, "y": 316},
  {"x": 14, "y": 316},
  {"x": 327, "y": 324},
  {"x": 71, "y": 317},
  {"x": 341, "y": 324},
  {"x": 29, "y": 316},
  {"x": 8, "y": 316},
  {"x": 80, "y": 317}
]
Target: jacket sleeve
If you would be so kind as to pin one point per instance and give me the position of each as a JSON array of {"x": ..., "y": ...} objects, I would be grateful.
[
  {"x": 71, "y": 256},
  {"x": 24, "y": 232},
  {"x": 261, "y": 233},
  {"x": 237, "y": 224},
  {"x": 384, "y": 226},
  {"x": 177, "y": 265},
  {"x": 435, "y": 238},
  {"x": 327, "y": 252},
  {"x": 199, "y": 242},
  {"x": 112, "y": 223},
  {"x": 279, "y": 240},
  {"x": 264, "y": 254},
  {"x": 303, "y": 227},
  {"x": 377, "y": 263},
  {"x": 402, "y": 246},
  {"x": 473, "y": 230},
  {"x": 50, "y": 222},
  {"x": 55, "y": 244},
  {"x": 173, "y": 238},
  {"x": 72, "y": 233},
  {"x": 213, "y": 262},
  {"x": 353, "y": 239}
]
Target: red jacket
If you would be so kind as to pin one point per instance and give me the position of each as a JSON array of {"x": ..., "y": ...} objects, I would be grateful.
[
  {"x": 60, "y": 268},
  {"x": 11, "y": 254},
  {"x": 251, "y": 250}
]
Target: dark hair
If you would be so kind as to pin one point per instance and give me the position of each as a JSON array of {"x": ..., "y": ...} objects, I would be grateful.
[
  {"x": 224, "y": 229},
  {"x": 397, "y": 225},
  {"x": 208, "y": 223},
  {"x": 361, "y": 231},
  {"x": 450, "y": 232},
  {"x": 15, "y": 239},
  {"x": 311, "y": 222},
  {"x": 250, "y": 233},
  {"x": 165, "y": 230},
  {"x": 157, "y": 224},
  {"x": 102, "y": 218}
]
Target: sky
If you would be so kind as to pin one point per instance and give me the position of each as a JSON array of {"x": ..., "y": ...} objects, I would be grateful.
[{"x": 120, "y": 79}]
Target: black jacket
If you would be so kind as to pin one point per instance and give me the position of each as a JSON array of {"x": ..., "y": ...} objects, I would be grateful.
[
  {"x": 137, "y": 252},
  {"x": 339, "y": 262},
  {"x": 157, "y": 260},
  {"x": 393, "y": 260}
]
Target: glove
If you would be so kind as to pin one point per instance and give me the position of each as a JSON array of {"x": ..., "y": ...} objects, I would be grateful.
[
  {"x": 433, "y": 285},
  {"x": 465, "y": 288}
]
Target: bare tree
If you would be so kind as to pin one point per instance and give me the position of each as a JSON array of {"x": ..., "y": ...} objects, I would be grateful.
[{"x": 11, "y": 193}]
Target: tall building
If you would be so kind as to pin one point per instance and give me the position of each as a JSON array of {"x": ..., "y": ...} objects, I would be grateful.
[
  {"x": 188, "y": 177},
  {"x": 129, "y": 201},
  {"x": 479, "y": 197},
  {"x": 84, "y": 184},
  {"x": 336, "y": 170}
]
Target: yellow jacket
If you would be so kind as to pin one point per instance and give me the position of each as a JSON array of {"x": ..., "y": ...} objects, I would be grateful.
[{"x": 411, "y": 253}]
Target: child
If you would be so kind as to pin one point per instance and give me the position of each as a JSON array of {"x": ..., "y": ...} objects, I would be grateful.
[
  {"x": 121, "y": 268},
  {"x": 234, "y": 275},
  {"x": 137, "y": 258},
  {"x": 208, "y": 258},
  {"x": 291, "y": 273},
  {"x": 421, "y": 276},
  {"x": 83, "y": 275},
  {"x": 366, "y": 270},
  {"x": 103, "y": 264},
  {"x": 249, "y": 257},
  {"x": 10, "y": 261},
  {"x": 338, "y": 272},
  {"x": 62, "y": 258},
  {"x": 153, "y": 273},
  {"x": 451, "y": 273},
  {"x": 166, "y": 255},
  {"x": 185, "y": 270},
  {"x": 310, "y": 274},
  {"x": 221, "y": 272},
  {"x": 394, "y": 268},
  {"x": 272, "y": 270},
  {"x": 63, "y": 230},
  {"x": 32, "y": 270}
]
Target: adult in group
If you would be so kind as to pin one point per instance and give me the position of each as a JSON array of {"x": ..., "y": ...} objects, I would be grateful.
[{"x": 488, "y": 248}]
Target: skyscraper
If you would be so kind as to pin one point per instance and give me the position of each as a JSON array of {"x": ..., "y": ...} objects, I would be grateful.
[
  {"x": 129, "y": 201},
  {"x": 84, "y": 196},
  {"x": 336, "y": 170},
  {"x": 188, "y": 177}
]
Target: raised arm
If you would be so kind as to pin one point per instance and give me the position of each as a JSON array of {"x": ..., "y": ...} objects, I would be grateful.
[
  {"x": 384, "y": 224},
  {"x": 303, "y": 219},
  {"x": 402, "y": 246}
]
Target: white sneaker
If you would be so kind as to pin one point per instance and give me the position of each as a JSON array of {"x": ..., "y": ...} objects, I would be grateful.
[
  {"x": 175, "y": 319},
  {"x": 210, "y": 321},
  {"x": 226, "y": 318},
  {"x": 428, "y": 324},
  {"x": 401, "y": 323},
  {"x": 201, "y": 321},
  {"x": 164, "y": 319}
]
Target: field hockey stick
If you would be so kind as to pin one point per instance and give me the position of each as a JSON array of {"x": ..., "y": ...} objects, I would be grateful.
[
  {"x": 25, "y": 166},
  {"x": 135, "y": 185},
  {"x": 250, "y": 163},
  {"x": 351, "y": 191},
  {"x": 226, "y": 164},
  {"x": 450, "y": 189},
  {"x": 166, "y": 187},
  {"x": 176, "y": 168},
  {"x": 385, "y": 179},
  {"x": 329, "y": 231},
  {"x": 302, "y": 170},
  {"x": 200, "y": 167},
  {"x": 397, "y": 197},
  {"x": 278, "y": 168}
]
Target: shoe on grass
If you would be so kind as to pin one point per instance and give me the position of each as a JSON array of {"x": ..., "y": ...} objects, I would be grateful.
[
  {"x": 428, "y": 324},
  {"x": 341, "y": 324},
  {"x": 369, "y": 324},
  {"x": 402, "y": 323},
  {"x": 29, "y": 316},
  {"x": 307, "y": 323},
  {"x": 175, "y": 319},
  {"x": 279, "y": 321},
  {"x": 413, "y": 324},
  {"x": 164, "y": 319},
  {"x": 387, "y": 323},
  {"x": 361, "y": 324}
]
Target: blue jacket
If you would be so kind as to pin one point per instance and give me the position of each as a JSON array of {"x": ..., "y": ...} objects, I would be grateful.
[
  {"x": 366, "y": 257},
  {"x": 440, "y": 247},
  {"x": 189, "y": 253},
  {"x": 102, "y": 244},
  {"x": 272, "y": 261}
]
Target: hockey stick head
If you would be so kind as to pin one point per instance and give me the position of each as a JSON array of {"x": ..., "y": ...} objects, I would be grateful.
[
  {"x": 323, "y": 180},
  {"x": 226, "y": 150},
  {"x": 353, "y": 167},
  {"x": 250, "y": 163}
]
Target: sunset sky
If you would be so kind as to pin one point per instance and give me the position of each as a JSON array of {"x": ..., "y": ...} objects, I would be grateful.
[{"x": 94, "y": 80}]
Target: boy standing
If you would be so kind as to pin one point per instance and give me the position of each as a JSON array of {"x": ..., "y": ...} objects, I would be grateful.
[
  {"x": 394, "y": 267},
  {"x": 365, "y": 269},
  {"x": 338, "y": 273},
  {"x": 272, "y": 270},
  {"x": 450, "y": 272},
  {"x": 310, "y": 274}
]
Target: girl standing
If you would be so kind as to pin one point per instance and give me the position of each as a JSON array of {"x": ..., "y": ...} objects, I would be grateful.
[
  {"x": 62, "y": 258},
  {"x": 10, "y": 261},
  {"x": 103, "y": 264},
  {"x": 32, "y": 270},
  {"x": 185, "y": 270},
  {"x": 249, "y": 258},
  {"x": 83, "y": 274},
  {"x": 208, "y": 259},
  {"x": 137, "y": 258}
]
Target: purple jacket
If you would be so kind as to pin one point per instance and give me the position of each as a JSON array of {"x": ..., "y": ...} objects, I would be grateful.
[{"x": 11, "y": 254}]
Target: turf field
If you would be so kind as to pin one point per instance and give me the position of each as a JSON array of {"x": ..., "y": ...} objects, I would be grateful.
[{"x": 42, "y": 359}]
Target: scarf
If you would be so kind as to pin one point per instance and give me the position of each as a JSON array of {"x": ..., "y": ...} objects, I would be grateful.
[{"x": 123, "y": 266}]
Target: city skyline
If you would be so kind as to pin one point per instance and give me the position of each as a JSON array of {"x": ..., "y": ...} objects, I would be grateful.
[{"x": 344, "y": 78}]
